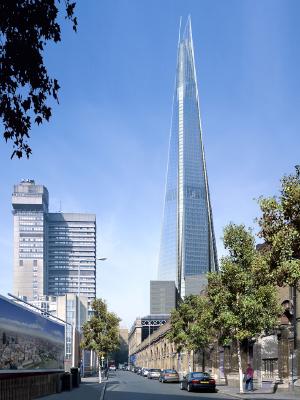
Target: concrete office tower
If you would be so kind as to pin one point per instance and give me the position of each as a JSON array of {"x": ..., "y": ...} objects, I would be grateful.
[
  {"x": 54, "y": 253},
  {"x": 72, "y": 254},
  {"x": 188, "y": 249},
  {"x": 30, "y": 207},
  {"x": 163, "y": 297}
]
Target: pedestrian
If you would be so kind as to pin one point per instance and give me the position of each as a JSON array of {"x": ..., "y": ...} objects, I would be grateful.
[{"x": 249, "y": 378}]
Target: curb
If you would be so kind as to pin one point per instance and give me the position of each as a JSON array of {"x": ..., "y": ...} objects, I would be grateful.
[
  {"x": 103, "y": 391},
  {"x": 237, "y": 396},
  {"x": 246, "y": 396}
]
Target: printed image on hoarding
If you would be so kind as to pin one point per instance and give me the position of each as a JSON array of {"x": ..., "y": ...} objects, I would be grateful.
[{"x": 28, "y": 340}]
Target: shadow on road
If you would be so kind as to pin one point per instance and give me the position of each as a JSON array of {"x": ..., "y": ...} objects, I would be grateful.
[{"x": 182, "y": 395}]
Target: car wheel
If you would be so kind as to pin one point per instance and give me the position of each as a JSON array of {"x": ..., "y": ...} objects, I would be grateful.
[
  {"x": 181, "y": 386},
  {"x": 189, "y": 388}
]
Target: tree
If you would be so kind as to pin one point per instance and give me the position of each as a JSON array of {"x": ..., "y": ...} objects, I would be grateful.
[
  {"x": 26, "y": 26},
  {"x": 191, "y": 326},
  {"x": 101, "y": 331},
  {"x": 280, "y": 229},
  {"x": 243, "y": 304}
]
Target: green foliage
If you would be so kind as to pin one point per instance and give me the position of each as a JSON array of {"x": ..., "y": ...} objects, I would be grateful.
[
  {"x": 280, "y": 230},
  {"x": 26, "y": 26},
  {"x": 101, "y": 332},
  {"x": 244, "y": 302},
  {"x": 191, "y": 324}
]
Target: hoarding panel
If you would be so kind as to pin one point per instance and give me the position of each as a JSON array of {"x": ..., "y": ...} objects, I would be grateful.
[{"x": 29, "y": 340}]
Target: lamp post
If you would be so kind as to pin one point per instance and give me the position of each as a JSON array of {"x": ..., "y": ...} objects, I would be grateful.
[
  {"x": 102, "y": 357},
  {"x": 78, "y": 295},
  {"x": 78, "y": 299},
  {"x": 78, "y": 313}
]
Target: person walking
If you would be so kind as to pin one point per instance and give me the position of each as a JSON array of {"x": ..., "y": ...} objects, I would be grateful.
[{"x": 249, "y": 378}]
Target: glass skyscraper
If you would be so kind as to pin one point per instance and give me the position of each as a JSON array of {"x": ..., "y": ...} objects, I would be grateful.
[{"x": 188, "y": 249}]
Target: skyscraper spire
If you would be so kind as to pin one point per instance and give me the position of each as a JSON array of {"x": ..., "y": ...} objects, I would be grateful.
[{"x": 188, "y": 249}]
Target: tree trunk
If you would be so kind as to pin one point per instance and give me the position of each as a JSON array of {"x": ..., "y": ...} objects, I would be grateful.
[
  {"x": 179, "y": 364},
  {"x": 240, "y": 365},
  {"x": 297, "y": 334},
  {"x": 189, "y": 361},
  {"x": 203, "y": 360},
  {"x": 100, "y": 372}
]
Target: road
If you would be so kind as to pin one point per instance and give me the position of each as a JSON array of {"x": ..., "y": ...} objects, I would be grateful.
[{"x": 125, "y": 385}]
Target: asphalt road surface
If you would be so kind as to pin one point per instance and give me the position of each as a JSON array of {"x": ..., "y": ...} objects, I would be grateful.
[{"x": 125, "y": 385}]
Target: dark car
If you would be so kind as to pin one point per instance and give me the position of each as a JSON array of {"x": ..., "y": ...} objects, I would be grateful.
[
  {"x": 169, "y": 375},
  {"x": 198, "y": 381}
]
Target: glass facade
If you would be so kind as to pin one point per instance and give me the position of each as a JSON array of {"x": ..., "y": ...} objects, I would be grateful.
[{"x": 188, "y": 249}]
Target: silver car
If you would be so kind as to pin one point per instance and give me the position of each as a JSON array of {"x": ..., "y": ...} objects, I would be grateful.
[
  {"x": 145, "y": 372},
  {"x": 154, "y": 373}
]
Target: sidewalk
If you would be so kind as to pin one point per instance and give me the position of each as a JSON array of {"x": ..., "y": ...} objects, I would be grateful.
[
  {"x": 259, "y": 394},
  {"x": 90, "y": 389}
]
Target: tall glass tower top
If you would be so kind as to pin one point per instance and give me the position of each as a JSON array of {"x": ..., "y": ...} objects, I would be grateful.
[{"x": 188, "y": 249}]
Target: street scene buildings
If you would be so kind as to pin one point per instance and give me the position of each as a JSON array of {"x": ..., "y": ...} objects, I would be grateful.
[
  {"x": 188, "y": 253},
  {"x": 225, "y": 322},
  {"x": 54, "y": 261}
]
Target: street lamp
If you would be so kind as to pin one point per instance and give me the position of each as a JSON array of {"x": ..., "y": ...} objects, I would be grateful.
[
  {"x": 102, "y": 358},
  {"x": 78, "y": 294},
  {"x": 79, "y": 305}
]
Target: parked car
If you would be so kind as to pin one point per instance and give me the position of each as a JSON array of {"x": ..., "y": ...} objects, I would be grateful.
[
  {"x": 154, "y": 373},
  {"x": 169, "y": 375},
  {"x": 112, "y": 367},
  {"x": 145, "y": 372},
  {"x": 139, "y": 371},
  {"x": 197, "y": 381}
]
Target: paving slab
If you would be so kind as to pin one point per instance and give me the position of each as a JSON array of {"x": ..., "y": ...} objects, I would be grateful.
[
  {"x": 90, "y": 389},
  {"x": 259, "y": 394}
]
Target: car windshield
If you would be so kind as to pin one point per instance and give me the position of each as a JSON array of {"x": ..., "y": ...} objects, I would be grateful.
[
  {"x": 200, "y": 375},
  {"x": 170, "y": 371},
  {"x": 155, "y": 370}
]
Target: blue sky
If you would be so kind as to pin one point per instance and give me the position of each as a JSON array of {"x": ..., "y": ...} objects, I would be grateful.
[{"x": 105, "y": 149}]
